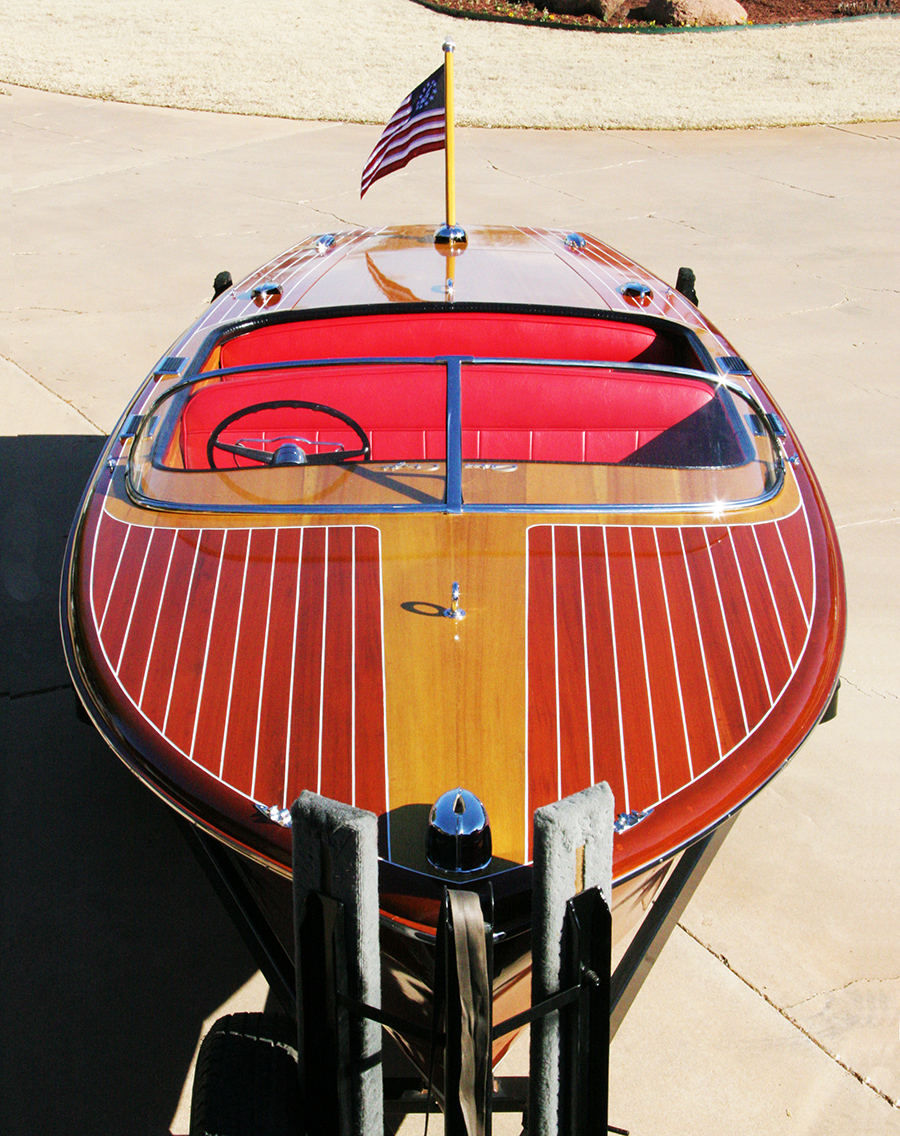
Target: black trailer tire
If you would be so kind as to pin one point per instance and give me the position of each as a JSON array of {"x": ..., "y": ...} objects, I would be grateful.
[{"x": 246, "y": 1080}]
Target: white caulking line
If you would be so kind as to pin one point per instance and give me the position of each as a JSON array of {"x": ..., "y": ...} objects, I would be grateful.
[
  {"x": 812, "y": 560},
  {"x": 665, "y": 590},
  {"x": 743, "y": 740},
  {"x": 806, "y": 617},
  {"x": 794, "y": 668},
  {"x": 621, "y": 263},
  {"x": 527, "y": 669},
  {"x": 584, "y": 268},
  {"x": 387, "y": 784},
  {"x": 587, "y": 673},
  {"x": 187, "y": 600},
  {"x": 262, "y": 666},
  {"x": 556, "y": 666},
  {"x": 353, "y": 667},
  {"x": 290, "y": 714},
  {"x": 159, "y": 607},
  {"x": 618, "y": 262},
  {"x": 112, "y": 586},
  {"x": 241, "y": 303},
  {"x": 765, "y": 567},
  {"x": 212, "y": 619},
  {"x": 234, "y": 655},
  {"x": 134, "y": 599},
  {"x": 304, "y": 267},
  {"x": 759, "y": 651},
  {"x": 240, "y": 792},
  {"x": 322, "y": 672},
  {"x": 92, "y": 597},
  {"x": 601, "y": 272},
  {"x": 737, "y": 677},
  {"x": 712, "y": 705},
  {"x": 299, "y": 255},
  {"x": 612, "y": 624},
  {"x": 305, "y": 259},
  {"x": 546, "y": 240},
  {"x": 637, "y": 593},
  {"x": 292, "y": 281}
]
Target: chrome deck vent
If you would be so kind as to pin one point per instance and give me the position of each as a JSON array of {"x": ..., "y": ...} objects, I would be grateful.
[
  {"x": 266, "y": 293},
  {"x": 637, "y": 291},
  {"x": 575, "y": 241},
  {"x": 171, "y": 365},
  {"x": 325, "y": 243},
  {"x": 733, "y": 365}
]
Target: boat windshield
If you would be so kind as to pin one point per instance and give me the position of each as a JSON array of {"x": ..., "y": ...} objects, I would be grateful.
[{"x": 454, "y": 434}]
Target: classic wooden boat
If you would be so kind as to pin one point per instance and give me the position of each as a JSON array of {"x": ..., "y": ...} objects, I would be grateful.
[{"x": 394, "y": 519}]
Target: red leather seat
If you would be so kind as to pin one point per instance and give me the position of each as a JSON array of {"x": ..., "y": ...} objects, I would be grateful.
[{"x": 508, "y": 413}]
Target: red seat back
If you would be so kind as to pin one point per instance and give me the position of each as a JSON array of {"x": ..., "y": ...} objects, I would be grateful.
[{"x": 508, "y": 413}]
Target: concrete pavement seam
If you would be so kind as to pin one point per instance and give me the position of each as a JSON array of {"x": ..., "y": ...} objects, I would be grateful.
[{"x": 836, "y": 1058}]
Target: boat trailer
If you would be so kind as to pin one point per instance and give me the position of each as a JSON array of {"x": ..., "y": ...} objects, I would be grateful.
[{"x": 319, "y": 1068}]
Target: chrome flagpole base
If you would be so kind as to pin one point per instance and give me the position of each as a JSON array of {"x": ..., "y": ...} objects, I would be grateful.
[{"x": 450, "y": 235}]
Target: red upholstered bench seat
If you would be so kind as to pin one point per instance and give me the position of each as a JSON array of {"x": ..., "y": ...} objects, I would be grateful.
[
  {"x": 506, "y": 335},
  {"x": 509, "y": 413}
]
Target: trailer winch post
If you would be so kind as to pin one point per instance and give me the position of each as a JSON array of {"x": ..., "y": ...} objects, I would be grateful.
[
  {"x": 338, "y": 977},
  {"x": 570, "y": 1046},
  {"x": 584, "y": 1049},
  {"x": 336, "y": 920}
]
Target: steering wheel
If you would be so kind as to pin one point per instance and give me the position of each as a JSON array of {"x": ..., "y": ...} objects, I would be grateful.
[{"x": 266, "y": 458}]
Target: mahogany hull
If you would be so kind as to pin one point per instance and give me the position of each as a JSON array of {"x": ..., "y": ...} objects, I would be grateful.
[
  {"x": 247, "y": 664},
  {"x": 237, "y": 648}
]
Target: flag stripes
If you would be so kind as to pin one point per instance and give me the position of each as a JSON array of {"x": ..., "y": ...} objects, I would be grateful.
[{"x": 418, "y": 126}]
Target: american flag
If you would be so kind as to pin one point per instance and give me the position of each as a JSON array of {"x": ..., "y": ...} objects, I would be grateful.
[{"x": 419, "y": 126}]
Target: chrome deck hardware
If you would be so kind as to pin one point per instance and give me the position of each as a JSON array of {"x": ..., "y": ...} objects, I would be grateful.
[
  {"x": 267, "y": 293},
  {"x": 636, "y": 290},
  {"x": 458, "y": 838},
  {"x": 454, "y": 611}
]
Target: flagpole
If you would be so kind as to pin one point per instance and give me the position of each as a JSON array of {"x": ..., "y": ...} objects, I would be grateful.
[
  {"x": 450, "y": 232},
  {"x": 450, "y": 152}
]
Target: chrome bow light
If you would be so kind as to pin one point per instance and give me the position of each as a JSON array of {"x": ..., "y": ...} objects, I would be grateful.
[{"x": 459, "y": 833}]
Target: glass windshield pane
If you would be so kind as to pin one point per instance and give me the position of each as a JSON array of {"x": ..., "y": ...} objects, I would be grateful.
[
  {"x": 372, "y": 435},
  {"x": 295, "y": 436},
  {"x": 544, "y": 435}
]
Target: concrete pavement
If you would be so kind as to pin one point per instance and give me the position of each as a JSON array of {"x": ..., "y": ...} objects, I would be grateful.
[{"x": 775, "y": 1006}]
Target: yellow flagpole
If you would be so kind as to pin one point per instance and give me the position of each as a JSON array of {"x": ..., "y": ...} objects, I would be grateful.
[
  {"x": 451, "y": 232},
  {"x": 450, "y": 153}
]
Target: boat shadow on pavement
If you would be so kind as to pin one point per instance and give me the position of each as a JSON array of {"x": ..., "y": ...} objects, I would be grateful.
[{"x": 115, "y": 948}]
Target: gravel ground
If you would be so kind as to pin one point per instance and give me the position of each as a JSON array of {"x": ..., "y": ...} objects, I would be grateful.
[{"x": 331, "y": 60}]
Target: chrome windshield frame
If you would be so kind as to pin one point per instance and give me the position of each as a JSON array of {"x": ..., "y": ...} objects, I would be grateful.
[{"x": 453, "y": 500}]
